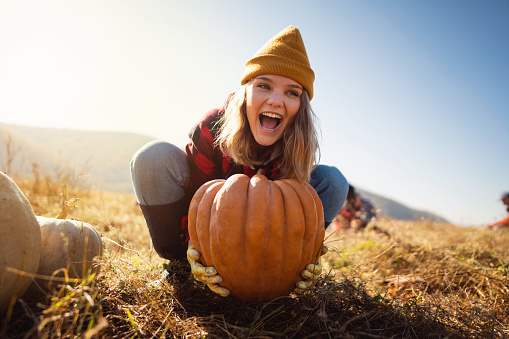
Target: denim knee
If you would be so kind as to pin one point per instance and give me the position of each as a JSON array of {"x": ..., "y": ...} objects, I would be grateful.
[
  {"x": 159, "y": 173},
  {"x": 331, "y": 186}
]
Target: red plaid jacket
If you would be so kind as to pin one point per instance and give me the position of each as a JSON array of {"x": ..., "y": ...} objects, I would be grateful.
[{"x": 207, "y": 162}]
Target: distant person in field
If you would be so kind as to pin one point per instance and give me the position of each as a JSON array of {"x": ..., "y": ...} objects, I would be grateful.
[
  {"x": 357, "y": 211},
  {"x": 266, "y": 124},
  {"x": 505, "y": 221},
  {"x": 346, "y": 215}
]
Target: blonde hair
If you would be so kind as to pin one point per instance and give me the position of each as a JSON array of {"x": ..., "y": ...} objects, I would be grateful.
[{"x": 298, "y": 145}]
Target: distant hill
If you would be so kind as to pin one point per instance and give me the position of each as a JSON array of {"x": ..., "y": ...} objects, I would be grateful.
[
  {"x": 104, "y": 158},
  {"x": 395, "y": 210}
]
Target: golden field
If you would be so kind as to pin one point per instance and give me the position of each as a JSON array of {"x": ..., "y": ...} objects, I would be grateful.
[{"x": 397, "y": 279}]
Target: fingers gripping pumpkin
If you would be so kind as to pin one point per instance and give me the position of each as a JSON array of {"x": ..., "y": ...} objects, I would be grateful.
[{"x": 258, "y": 234}]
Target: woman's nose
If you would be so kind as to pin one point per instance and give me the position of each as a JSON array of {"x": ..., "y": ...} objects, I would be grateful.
[{"x": 275, "y": 99}]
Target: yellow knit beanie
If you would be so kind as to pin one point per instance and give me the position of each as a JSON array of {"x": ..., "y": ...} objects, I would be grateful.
[{"x": 284, "y": 55}]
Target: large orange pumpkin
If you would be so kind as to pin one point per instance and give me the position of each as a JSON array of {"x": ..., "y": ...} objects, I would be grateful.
[{"x": 258, "y": 234}]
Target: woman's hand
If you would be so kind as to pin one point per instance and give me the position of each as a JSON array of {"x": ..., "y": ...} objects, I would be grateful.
[
  {"x": 207, "y": 275},
  {"x": 310, "y": 274}
]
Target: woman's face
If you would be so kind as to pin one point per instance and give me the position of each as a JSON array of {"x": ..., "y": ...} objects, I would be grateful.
[{"x": 272, "y": 101}]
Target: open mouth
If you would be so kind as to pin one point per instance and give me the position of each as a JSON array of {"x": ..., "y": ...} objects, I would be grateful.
[{"x": 270, "y": 121}]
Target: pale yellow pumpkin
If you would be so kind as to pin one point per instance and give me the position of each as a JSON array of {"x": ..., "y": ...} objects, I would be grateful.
[
  {"x": 20, "y": 246},
  {"x": 67, "y": 244},
  {"x": 258, "y": 234}
]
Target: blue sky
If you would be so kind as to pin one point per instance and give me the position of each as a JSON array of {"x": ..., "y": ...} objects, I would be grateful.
[{"x": 411, "y": 96}]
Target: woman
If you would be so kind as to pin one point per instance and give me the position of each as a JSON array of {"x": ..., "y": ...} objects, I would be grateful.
[{"x": 267, "y": 124}]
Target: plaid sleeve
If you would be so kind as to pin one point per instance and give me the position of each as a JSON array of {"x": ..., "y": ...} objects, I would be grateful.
[{"x": 202, "y": 157}]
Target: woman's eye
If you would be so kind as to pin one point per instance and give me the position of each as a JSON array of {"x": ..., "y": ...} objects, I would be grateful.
[
  {"x": 264, "y": 86},
  {"x": 293, "y": 93}
]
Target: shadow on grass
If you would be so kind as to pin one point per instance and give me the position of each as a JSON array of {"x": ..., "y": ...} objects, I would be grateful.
[{"x": 183, "y": 308}]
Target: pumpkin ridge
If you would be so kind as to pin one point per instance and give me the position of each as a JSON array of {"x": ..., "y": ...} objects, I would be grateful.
[
  {"x": 257, "y": 227},
  {"x": 285, "y": 233},
  {"x": 276, "y": 196},
  {"x": 244, "y": 220},
  {"x": 304, "y": 261},
  {"x": 203, "y": 212},
  {"x": 308, "y": 205},
  {"x": 193, "y": 219},
  {"x": 213, "y": 234},
  {"x": 293, "y": 243},
  {"x": 208, "y": 232},
  {"x": 285, "y": 227},
  {"x": 231, "y": 230},
  {"x": 252, "y": 223},
  {"x": 302, "y": 238},
  {"x": 265, "y": 266},
  {"x": 216, "y": 235}
]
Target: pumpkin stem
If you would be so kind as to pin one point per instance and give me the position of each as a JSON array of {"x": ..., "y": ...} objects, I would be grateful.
[{"x": 260, "y": 171}]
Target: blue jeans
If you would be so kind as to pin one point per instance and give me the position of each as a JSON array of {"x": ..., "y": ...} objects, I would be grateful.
[
  {"x": 160, "y": 176},
  {"x": 332, "y": 187}
]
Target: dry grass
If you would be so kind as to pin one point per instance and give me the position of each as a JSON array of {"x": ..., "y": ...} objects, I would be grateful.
[{"x": 423, "y": 280}]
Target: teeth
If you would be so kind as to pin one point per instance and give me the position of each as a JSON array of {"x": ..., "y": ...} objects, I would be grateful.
[{"x": 272, "y": 115}]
